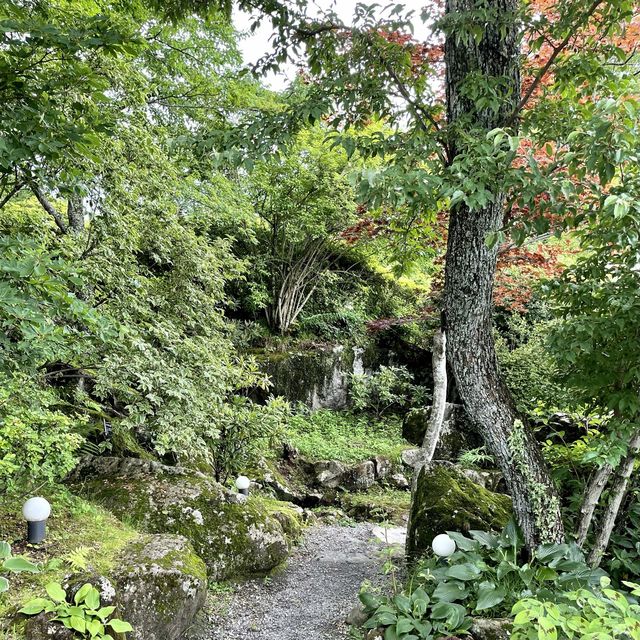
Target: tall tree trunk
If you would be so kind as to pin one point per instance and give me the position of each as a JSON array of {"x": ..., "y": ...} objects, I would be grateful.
[{"x": 471, "y": 263}]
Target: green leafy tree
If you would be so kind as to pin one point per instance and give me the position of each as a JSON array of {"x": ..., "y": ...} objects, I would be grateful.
[
  {"x": 598, "y": 301},
  {"x": 302, "y": 200},
  {"x": 464, "y": 155}
]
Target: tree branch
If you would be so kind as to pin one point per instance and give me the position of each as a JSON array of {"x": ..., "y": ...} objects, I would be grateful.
[
  {"x": 557, "y": 50},
  {"x": 48, "y": 207}
]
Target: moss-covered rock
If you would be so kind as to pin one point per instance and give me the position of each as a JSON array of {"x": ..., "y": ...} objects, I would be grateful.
[
  {"x": 158, "y": 586},
  {"x": 446, "y": 500},
  {"x": 233, "y": 538}
]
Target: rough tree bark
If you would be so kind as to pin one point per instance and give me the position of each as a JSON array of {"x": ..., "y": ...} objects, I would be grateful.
[
  {"x": 618, "y": 491},
  {"x": 470, "y": 269},
  {"x": 590, "y": 501},
  {"x": 75, "y": 214}
]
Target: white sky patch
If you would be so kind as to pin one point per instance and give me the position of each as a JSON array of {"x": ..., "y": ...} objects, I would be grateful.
[{"x": 254, "y": 46}]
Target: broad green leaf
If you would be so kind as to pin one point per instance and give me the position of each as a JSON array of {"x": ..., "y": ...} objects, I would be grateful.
[
  {"x": 18, "y": 564},
  {"x": 120, "y": 626},
  {"x": 78, "y": 624},
  {"x": 463, "y": 572},
  {"x": 35, "y": 606},
  {"x": 56, "y": 592},
  {"x": 82, "y": 593},
  {"x": 489, "y": 596},
  {"x": 92, "y": 599}
]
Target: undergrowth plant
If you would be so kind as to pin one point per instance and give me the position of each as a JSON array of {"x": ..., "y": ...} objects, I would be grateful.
[
  {"x": 602, "y": 613},
  {"x": 13, "y": 564},
  {"x": 84, "y": 616},
  {"x": 485, "y": 576}
]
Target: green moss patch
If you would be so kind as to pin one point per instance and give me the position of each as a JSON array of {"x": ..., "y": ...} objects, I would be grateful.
[
  {"x": 446, "y": 500},
  {"x": 379, "y": 505}
]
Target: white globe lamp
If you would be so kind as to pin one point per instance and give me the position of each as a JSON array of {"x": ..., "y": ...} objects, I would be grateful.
[
  {"x": 443, "y": 545},
  {"x": 35, "y": 512},
  {"x": 242, "y": 484}
]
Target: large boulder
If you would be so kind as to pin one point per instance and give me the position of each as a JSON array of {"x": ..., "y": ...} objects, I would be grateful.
[
  {"x": 457, "y": 434},
  {"x": 447, "y": 500},
  {"x": 158, "y": 585},
  {"x": 362, "y": 476},
  {"x": 329, "y": 474},
  {"x": 233, "y": 537}
]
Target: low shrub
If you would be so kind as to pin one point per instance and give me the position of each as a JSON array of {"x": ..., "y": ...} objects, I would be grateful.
[
  {"x": 484, "y": 577},
  {"x": 600, "y": 613},
  {"x": 387, "y": 390}
]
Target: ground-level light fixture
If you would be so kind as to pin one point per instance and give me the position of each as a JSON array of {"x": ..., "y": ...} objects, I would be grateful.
[
  {"x": 443, "y": 545},
  {"x": 242, "y": 484},
  {"x": 35, "y": 512}
]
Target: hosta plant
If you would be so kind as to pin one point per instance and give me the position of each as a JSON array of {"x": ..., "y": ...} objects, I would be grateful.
[
  {"x": 484, "y": 577},
  {"x": 84, "y": 615},
  {"x": 12, "y": 564}
]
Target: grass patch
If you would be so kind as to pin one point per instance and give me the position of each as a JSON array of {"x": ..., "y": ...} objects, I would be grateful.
[
  {"x": 379, "y": 504},
  {"x": 341, "y": 435},
  {"x": 80, "y": 536}
]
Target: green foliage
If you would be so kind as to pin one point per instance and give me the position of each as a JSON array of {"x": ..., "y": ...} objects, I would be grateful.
[
  {"x": 84, "y": 616},
  {"x": 13, "y": 564},
  {"x": 478, "y": 457},
  {"x": 623, "y": 562},
  {"x": 483, "y": 577},
  {"x": 531, "y": 373},
  {"x": 246, "y": 431},
  {"x": 588, "y": 614},
  {"x": 597, "y": 300},
  {"x": 334, "y": 435},
  {"x": 37, "y": 440},
  {"x": 388, "y": 389}
]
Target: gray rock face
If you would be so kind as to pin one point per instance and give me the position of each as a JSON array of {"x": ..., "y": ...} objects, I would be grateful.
[
  {"x": 410, "y": 457},
  {"x": 398, "y": 481},
  {"x": 160, "y": 586},
  {"x": 319, "y": 377},
  {"x": 233, "y": 538},
  {"x": 357, "y": 616},
  {"x": 491, "y": 628},
  {"x": 384, "y": 467},
  {"x": 41, "y": 627},
  {"x": 330, "y": 474},
  {"x": 363, "y": 476}
]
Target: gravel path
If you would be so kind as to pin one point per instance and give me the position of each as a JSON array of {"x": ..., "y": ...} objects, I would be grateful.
[{"x": 311, "y": 598}]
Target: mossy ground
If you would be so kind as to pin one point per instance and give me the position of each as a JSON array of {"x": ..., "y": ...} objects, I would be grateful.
[
  {"x": 379, "y": 504},
  {"x": 77, "y": 530},
  {"x": 343, "y": 436}
]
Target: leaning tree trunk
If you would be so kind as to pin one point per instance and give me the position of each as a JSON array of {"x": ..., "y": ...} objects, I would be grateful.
[
  {"x": 470, "y": 270},
  {"x": 618, "y": 491}
]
